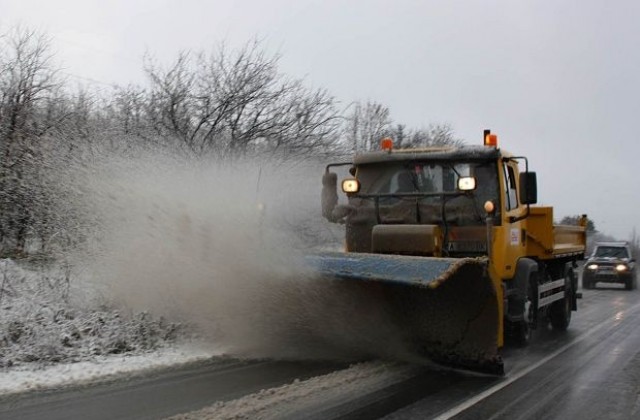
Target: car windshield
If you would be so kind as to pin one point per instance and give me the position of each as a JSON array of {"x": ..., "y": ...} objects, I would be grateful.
[{"x": 611, "y": 252}]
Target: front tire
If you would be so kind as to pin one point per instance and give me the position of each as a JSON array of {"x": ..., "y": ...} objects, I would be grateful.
[
  {"x": 522, "y": 331},
  {"x": 560, "y": 311}
]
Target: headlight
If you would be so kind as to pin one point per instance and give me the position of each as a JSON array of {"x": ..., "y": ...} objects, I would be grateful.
[
  {"x": 621, "y": 267},
  {"x": 466, "y": 183},
  {"x": 592, "y": 266},
  {"x": 350, "y": 185}
]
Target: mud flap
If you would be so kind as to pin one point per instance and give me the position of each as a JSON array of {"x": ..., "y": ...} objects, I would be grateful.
[{"x": 446, "y": 307}]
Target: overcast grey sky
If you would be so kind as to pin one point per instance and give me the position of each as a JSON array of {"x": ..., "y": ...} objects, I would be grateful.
[{"x": 559, "y": 81}]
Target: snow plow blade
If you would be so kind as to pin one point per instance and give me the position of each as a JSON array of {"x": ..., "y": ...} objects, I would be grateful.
[{"x": 447, "y": 308}]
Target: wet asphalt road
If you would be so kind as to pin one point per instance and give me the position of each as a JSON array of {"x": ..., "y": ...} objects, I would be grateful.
[
  {"x": 162, "y": 395},
  {"x": 590, "y": 372}
]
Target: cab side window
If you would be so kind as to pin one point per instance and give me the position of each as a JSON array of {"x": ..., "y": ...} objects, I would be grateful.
[{"x": 510, "y": 199}]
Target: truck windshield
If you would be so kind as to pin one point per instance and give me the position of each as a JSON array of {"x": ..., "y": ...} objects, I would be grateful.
[
  {"x": 611, "y": 252},
  {"x": 428, "y": 190},
  {"x": 431, "y": 178}
]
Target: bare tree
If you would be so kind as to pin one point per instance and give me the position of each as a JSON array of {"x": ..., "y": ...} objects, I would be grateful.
[
  {"x": 27, "y": 79},
  {"x": 435, "y": 135},
  {"x": 170, "y": 107},
  {"x": 128, "y": 110},
  {"x": 29, "y": 111},
  {"x": 232, "y": 103},
  {"x": 367, "y": 125}
]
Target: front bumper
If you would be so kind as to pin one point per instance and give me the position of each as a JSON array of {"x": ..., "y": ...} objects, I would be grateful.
[{"x": 607, "y": 276}]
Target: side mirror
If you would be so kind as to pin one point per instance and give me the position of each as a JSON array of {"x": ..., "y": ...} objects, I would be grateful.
[
  {"x": 329, "y": 197},
  {"x": 528, "y": 188}
]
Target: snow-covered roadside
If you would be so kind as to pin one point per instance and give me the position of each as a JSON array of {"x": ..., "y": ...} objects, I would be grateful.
[
  {"x": 53, "y": 335},
  {"x": 28, "y": 378}
]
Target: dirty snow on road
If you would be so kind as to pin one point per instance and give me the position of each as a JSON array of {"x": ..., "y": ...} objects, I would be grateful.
[{"x": 311, "y": 394}]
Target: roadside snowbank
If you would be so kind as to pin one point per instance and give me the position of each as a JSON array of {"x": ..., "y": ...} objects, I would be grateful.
[
  {"x": 57, "y": 332},
  {"x": 49, "y": 318},
  {"x": 102, "y": 369}
]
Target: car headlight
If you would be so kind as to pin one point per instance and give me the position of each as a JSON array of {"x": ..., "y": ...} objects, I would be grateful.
[
  {"x": 592, "y": 266},
  {"x": 621, "y": 267}
]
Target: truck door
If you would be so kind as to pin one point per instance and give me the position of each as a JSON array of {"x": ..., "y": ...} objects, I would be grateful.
[{"x": 515, "y": 239}]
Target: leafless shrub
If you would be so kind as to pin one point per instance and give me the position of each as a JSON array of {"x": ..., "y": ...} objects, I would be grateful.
[{"x": 40, "y": 323}]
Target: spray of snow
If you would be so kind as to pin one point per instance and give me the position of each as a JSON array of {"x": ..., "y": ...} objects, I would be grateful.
[{"x": 221, "y": 247}]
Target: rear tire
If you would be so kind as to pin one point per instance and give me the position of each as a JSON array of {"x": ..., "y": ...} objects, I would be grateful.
[
  {"x": 587, "y": 283},
  {"x": 560, "y": 311}
]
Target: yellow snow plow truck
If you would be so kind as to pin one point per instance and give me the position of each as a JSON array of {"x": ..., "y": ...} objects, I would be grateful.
[{"x": 448, "y": 243}]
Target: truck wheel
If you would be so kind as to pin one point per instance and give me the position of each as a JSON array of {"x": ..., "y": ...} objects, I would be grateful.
[
  {"x": 560, "y": 311},
  {"x": 628, "y": 283},
  {"x": 522, "y": 331},
  {"x": 586, "y": 282}
]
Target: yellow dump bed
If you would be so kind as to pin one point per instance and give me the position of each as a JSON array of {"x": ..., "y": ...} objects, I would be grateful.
[{"x": 544, "y": 240}]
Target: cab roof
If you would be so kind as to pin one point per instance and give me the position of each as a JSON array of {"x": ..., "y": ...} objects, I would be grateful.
[{"x": 432, "y": 153}]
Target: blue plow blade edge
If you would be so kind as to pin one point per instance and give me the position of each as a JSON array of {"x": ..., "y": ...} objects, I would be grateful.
[{"x": 415, "y": 271}]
